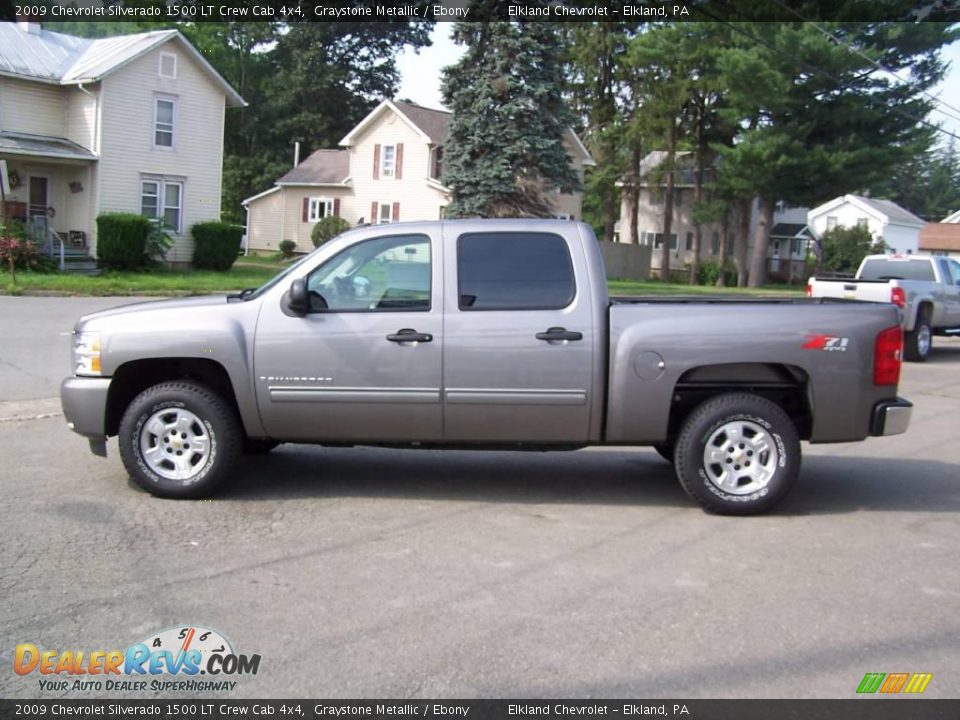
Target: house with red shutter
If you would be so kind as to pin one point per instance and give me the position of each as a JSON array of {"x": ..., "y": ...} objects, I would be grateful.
[{"x": 386, "y": 170}]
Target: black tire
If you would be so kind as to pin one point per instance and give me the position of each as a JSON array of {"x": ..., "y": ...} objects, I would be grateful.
[
  {"x": 665, "y": 451},
  {"x": 200, "y": 416},
  {"x": 258, "y": 446},
  {"x": 777, "y": 467},
  {"x": 918, "y": 342}
]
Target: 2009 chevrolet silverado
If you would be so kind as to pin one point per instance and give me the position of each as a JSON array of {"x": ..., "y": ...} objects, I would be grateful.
[{"x": 482, "y": 334}]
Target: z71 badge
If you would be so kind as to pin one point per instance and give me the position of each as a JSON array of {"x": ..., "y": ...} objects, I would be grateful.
[{"x": 830, "y": 343}]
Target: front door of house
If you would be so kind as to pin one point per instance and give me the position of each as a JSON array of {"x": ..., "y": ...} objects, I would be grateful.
[{"x": 39, "y": 196}]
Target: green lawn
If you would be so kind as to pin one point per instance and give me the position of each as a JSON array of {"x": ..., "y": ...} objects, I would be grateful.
[{"x": 254, "y": 271}]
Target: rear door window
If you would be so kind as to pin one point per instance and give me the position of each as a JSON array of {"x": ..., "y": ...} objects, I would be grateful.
[{"x": 514, "y": 271}]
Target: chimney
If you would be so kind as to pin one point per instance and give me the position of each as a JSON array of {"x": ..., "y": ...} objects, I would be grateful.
[{"x": 296, "y": 153}]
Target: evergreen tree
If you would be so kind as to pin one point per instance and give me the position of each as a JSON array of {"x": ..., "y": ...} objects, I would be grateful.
[{"x": 504, "y": 155}]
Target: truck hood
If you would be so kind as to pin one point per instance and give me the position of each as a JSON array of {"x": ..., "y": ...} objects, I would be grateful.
[{"x": 150, "y": 306}]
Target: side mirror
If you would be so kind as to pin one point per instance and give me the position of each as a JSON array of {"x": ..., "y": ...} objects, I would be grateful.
[{"x": 298, "y": 302}]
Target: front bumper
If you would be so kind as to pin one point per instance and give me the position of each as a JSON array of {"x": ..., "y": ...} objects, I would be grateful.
[
  {"x": 891, "y": 417},
  {"x": 84, "y": 401}
]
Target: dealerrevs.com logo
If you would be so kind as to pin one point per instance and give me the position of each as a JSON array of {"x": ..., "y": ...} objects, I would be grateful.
[{"x": 171, "y": 660}]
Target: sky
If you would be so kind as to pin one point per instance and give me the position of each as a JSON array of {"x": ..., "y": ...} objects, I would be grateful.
[{"x": 421, "y": 77}]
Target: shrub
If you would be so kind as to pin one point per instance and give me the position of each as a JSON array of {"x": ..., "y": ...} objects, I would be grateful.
[
  {"x": 216, "y": 245},
  {"x": 122, "y": 241},
  {"x": 843, "y": 248},
  {"x": 287, "y": 248},
  {"x": 709, "y": 271},
  {"x": 26, "y": 256},
  {"x": 327, "y": 229}
]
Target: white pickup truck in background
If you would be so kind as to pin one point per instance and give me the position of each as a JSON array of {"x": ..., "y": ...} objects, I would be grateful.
[{"x": 926, "y": 289}]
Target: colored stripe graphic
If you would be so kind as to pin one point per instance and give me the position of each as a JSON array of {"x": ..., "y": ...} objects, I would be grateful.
[
  {"x": 871, "y": 682},
  {"x": 918, "y": 683},
  {"x": 894, "y": 682}
]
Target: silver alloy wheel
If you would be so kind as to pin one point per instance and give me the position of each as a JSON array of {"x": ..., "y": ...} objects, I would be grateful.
[
  {"x": 175, "y": 444},
  {"x": 924, "y": 339},
  {"x": 740, "y": 457}
]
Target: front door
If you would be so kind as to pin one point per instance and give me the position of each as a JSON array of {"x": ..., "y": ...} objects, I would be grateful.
[
  {"x": 39, "y": 196},
  {"x": 519, "y": 340},
  {"x": 365, "y": 363}
]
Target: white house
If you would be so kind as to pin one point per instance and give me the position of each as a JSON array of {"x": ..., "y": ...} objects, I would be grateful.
[
  {"x": 132, "y": 123},
  {"x": 387, "y": 169},
  {"x": 898, "y": 228},
  {"x": 952, "y": 218}
]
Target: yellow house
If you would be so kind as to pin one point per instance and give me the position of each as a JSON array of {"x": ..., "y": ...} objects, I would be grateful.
[
  {"x": 387, "y": 170},
  {"x": 132, "y": 123}
]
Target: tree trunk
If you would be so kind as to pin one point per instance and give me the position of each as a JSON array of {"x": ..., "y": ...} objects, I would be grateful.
[
  {"x": 761, "y": 240},
  {"x": 634, "y": 195},
  {"x": 724, "y": 232},
  {"x": 742, "y": 210},
  {"x": 697, "y": 197},
  {"x": 668, "y": 202}
]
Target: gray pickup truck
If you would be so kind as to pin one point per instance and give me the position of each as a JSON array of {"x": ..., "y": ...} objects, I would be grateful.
[
  {"x": 926, "y": 289},
  {"x": 481, "y": 334}
]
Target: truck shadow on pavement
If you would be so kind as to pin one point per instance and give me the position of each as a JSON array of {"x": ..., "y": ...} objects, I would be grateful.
[{"x": 827, "y": 484}]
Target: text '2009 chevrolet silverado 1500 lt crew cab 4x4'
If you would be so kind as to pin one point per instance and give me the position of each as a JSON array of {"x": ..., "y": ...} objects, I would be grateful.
[
  {"x": 477, "y": 334},
  {"x": 926, "y": 289}
]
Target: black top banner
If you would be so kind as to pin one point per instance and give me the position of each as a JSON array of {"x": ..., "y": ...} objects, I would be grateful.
[
  {"x": 53, "y": 11},
  {"x": 212, "y": 709}
]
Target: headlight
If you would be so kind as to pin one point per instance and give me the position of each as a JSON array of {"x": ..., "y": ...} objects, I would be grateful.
[{"x": 86, "y": 353}]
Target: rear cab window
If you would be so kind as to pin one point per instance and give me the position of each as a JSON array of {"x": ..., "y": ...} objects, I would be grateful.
[
  {"x": 890, "y": 269},
  {"x": 514, "y": 271}
]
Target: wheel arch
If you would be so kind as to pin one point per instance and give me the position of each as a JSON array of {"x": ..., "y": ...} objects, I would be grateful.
[
  {"x": 787, "y": 386},
  {"x": 135, "y": 376}
]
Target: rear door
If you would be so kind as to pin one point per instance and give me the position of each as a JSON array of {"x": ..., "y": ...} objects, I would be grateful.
[
  {"x": 518, "y": 353},
  {"x": 950, "y": 269}
]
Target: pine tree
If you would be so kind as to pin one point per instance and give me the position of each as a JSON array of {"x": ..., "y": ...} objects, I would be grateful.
[{"x": 504, "y": 155}]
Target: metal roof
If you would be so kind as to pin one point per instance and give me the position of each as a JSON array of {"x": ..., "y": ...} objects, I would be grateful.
[
  {"x": 38, "y": 54},
  {"x": 46, "y": 146},
  {"x": 894, "y": 212}
]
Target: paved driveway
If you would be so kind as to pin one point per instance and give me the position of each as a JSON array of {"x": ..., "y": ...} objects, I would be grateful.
[{"x": 370, "y": 572}]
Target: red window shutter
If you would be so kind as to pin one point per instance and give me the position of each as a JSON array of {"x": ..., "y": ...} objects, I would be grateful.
[
  {"x": 376, "y": 161},
  {"x": 399, "y": 172},
  {"x": 336, "y": 207},
  {"x": 306, "y": 209},
  {"x": 373, "y": 213},
  {"x": 396, "y": 212}
]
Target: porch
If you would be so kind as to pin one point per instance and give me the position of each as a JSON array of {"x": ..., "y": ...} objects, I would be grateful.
[{"x": 52, "y": 187}]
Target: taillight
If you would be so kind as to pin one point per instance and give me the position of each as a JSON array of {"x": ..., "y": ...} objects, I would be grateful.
[
  {"x": 809, "y": 289},
  {"x": 898, "y": 297},
  {"x": 887, "y": 356}
]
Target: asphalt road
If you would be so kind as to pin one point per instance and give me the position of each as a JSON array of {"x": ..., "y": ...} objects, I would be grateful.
[{"x": 382, "y": 573}]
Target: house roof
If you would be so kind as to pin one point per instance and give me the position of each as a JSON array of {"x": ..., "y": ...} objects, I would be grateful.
[
  {"x": 940, "y": 236},
  {"x": 952, "y": 218},
  {"x": 792, "y": 230},
  {"x": 44, "y": 146},
  {"x": 882, "y": 209},
  {"x": 45, "y": 56},
  {"x": 323, "y": 167}
]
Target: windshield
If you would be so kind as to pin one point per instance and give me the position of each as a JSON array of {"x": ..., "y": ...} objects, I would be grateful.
[{"x": 272, "y": 282}]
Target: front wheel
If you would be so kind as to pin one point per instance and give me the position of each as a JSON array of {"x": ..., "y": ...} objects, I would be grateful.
[
  {"x": 179, "y": 440},
  {"x": 737, "y": 454},
  {"x": 918, "y": 343}
]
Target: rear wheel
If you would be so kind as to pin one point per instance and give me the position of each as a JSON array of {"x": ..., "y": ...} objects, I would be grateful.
[
  {"x": 737, "y": 454},
  {"x": 918, "y": 343},
  {"x": 179, "y": 440}
]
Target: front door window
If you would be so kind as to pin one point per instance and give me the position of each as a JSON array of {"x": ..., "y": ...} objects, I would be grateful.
[{"x": 38, "y": 196}]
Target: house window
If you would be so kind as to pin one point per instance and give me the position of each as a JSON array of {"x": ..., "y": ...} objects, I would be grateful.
[
  {"x": 168, "y": 66},
  {"x": 163, "y": 123},
  {"x": 861, "y": 222},
  {"x": 163, "y": 199},
  {"x": 678, "y": 198},
  {"x": 831, "y": 222},
  {"x": 319, "y": 208},
  {"x": 437, "y": 163},
  {"x": 689, "y": 241},
  {"x": 564, "y": 216},
  {"x": 673, "y": 241},
  {"x": 388, "y": 161},
  {"x": 795, "y": 246},
  {"x": 383, "y": 217},
  {"x": 715, "y": 243},
  {"x": 658, "y": 240}
]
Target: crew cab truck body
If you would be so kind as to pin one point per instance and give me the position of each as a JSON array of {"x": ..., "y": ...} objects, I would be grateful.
[
  {"x": 926, "y": 289},
  {"x": 482, "y": 334}
]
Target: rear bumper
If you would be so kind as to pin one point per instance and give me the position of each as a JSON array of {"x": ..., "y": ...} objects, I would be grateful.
[
  {"x": 891, "y": 417},
  {"x": 84, "y": 402}
]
